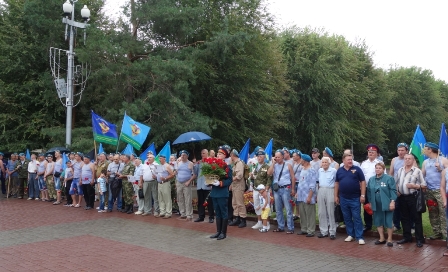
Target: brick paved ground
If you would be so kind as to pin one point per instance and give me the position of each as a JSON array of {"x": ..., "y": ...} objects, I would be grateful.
[{"x": 37, "y": 236}]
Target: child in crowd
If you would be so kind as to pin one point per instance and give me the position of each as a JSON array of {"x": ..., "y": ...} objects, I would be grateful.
[
  {"x": 264, "y": 206},
  {"x": 102, "y": 188}
]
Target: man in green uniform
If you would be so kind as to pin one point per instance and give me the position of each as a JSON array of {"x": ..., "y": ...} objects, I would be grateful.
[
  {"x": 128, "y": 188},
  {"x": 23, "y": 173},
  {"x": 259, "y": 175}
]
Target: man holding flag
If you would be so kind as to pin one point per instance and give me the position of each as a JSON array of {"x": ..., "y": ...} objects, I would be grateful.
[{"x": 432, "y": 171}]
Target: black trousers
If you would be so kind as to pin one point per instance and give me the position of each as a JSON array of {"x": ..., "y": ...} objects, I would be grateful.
[
  {"x": 408, "y": 213},
  {"x": 229, "y": 206},
  {"x": 89, "y": 194},
  {"x": 68, "y": 184},
  {"x": 202, "y": 195},
  {"x": 367, "y": 217}
]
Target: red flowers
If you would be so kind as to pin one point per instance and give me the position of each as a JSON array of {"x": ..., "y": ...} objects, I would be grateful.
[
  {"x": 205, "y": 204},
  {"x": 214, "y": 166},
  {"x": 147, "y": 163}
]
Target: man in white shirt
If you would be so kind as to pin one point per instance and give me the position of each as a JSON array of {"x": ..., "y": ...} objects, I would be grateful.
[
  {"x": 33, "y": 184},
  {"x": 368, "y": 168},
  {"x": 148, "y": 182}
]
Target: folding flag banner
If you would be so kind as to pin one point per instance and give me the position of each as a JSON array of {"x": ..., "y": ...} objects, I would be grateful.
[
  {"x": 151, "y": 148},
  {"x": 244, "y": 153},
  {"x": 103, "y": 131},
  {"x": 27, "y": 155},
  {"x": 65, "y": 159},
  {"x": 417, "y": 145},
  {"x": 101, "y": 149},
  {"x": 133, "y": 133},
  {"x": 128, "y": 150},
  {"x": 268, "y": 150},
  {"x": 166, "y": 151},
  {"x": 443, "y": 142}
]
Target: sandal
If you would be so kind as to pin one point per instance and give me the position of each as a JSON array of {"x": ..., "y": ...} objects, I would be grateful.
[
  {"x": 291, "y": 232},
  {"x": 56, "y": 203},
  {"x": 76, "y": 206},
  {"x": 278, "y": 230}
]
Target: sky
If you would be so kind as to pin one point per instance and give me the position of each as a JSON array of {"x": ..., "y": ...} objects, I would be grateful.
[{"x": 399, "y": 33}]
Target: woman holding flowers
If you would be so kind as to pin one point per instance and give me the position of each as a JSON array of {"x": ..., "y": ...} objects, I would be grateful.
[{"x": 220, "y": 189}]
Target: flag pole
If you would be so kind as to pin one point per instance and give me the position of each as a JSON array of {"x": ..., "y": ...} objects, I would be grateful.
[
  {"x": 94, "y": 145},
  {"x": 121, "y": 131}
]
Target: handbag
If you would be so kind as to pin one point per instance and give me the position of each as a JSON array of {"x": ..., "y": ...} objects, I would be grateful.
[
  {"x": 275, "y": 186},
  {"x": 338, "y": 217},
  {"x": 140, "y": 194},
  {"x": 420, "y": 201},
  {"x": 57, "y": 174},
  {"x": 116, "y": 182}
]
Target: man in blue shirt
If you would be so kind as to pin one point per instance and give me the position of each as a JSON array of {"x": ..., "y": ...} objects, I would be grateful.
[{"x": 349, "y": 191}]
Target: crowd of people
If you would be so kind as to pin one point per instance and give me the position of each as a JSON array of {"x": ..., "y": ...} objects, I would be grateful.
[{"x": 297, "y": 182}]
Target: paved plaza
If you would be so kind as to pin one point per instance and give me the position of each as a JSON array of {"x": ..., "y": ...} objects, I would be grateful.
[{"x": 37, "y": 236}]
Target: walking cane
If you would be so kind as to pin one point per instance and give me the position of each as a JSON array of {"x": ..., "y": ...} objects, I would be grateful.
[{"x": 9, "y": 183}]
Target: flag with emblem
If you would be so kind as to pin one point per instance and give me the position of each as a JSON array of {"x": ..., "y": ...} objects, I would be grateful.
[
  {"x": 166, "y": 151},
  {"x": 268, "y": 150},
  {"x": 133, "y": 133},
  {"x": 443, "y": 142},
  {"x": 417, "y": 144},
  {"x": 103, "y": 131}
]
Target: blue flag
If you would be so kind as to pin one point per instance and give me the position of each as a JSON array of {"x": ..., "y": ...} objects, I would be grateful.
[
  {"x": 100, "y": 149},
  {"x": 151, "y": 148},
  {"x": 64, "y": 161},
  {"x": 417, "y": 144},
  {"x": 244, "y": 153},
  {"x": 133, "y": 133},
  {"x": 268, "y": 150},
  {"x": 166, "y": 151},
  {"x": 128, "y": 150},
  {"x": 27, "y": 155},
  {"x": 443, "y": 142},
  {"x": 103, "y": 131}
]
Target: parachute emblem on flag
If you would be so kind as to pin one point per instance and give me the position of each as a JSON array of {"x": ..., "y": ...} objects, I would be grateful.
[
  {"x": 104, "y": 127},
  {"x": 135, "y": 130}
]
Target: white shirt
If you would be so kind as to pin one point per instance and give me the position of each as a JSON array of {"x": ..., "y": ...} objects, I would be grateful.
[
  {"x": 368, "y": 168},
  {"x": 32, "y": 166},
  {"x": 148, "y": 170}
]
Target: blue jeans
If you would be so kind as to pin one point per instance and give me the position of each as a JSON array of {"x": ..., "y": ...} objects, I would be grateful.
[
  {"x": 41, "y": 182},
  {"x": 281, "y": 199},
  {"x": 33, "y": 186},
  {"x": 351, "y": 210},
  {"x": 111, "y": 201},
  {"x": 102, "y": 201}
]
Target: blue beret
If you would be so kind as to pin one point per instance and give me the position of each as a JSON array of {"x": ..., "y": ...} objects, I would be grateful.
[
  {"x": 235, "y": 152},
  {"x": 15, "y": 153},
  {"x": 1, "y": 154},
  {"x": 328, "y": 151},
  {"x": 280, "y": 151},
  {"x": 257, "y": 149},
  {"x": 184, "y": 152},
  {"x": 373, "y": 147},
  {"x": 227, "y": 147},
  {"x": 41, "y": 155},
  {"x": 431, "y": 145},
  {"x": 297, "y": 152},
  {"x": 405, "y": 145},
  {"x": 306, "y": 157},
  {"x": 261, "y": 153},
  {"x": 162, "y": 156},
  {"x": 22, "y": 154}
]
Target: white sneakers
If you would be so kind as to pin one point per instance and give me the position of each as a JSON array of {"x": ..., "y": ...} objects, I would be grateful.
[
  {"x": 257, "y": 226},
  {"x": 138, "y": 212},
  {"x": 349, "y": 239}
]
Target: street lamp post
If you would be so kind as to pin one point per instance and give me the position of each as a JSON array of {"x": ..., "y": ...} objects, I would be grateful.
[{"x": 67, "y": 89}]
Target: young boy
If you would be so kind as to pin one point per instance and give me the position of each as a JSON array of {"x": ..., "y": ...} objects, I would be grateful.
[
  {"x": 102, "y": 188},
  {"x": 264, "y": 206}
]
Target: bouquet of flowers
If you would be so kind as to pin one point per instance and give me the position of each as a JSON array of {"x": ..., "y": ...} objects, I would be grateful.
[{"x": 214, "y": 169}]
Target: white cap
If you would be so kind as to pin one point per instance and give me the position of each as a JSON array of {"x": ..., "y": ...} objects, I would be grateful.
[{"x": 260, "y": 187}]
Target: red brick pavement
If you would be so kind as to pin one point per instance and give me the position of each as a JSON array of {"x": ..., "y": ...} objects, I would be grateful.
[
  {"x": 26, "y": 214},
  {"x": 102, "y": 255}
]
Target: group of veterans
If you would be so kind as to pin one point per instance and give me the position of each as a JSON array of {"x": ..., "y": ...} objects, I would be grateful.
[{"x": 296, "y": 181}]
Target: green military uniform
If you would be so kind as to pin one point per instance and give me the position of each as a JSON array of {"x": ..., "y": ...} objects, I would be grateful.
[
  {"x": 128, "y": 188},
  {"x": 23, "y": 175},
  {"x": 261, "y": 176}
]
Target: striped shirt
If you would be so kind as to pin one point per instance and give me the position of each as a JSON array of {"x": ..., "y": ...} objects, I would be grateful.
[{"x": 413, "y": 176}]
